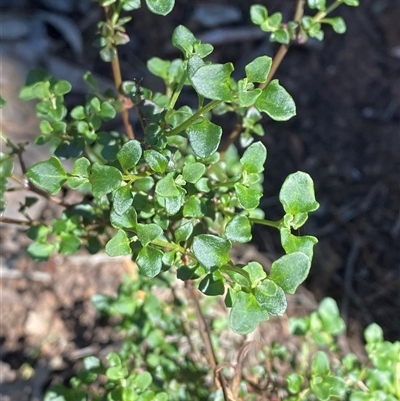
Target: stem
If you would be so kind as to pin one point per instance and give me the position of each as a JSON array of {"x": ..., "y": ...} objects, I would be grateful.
[
  {"x": 199, "y": 113},
  {"x": 270, "y": 223},
  {"x": 166, "y": 244},
  {"x": 235, "y": 269},
  {"x": 177, "y": 91},
  {"x": 231, "y": 138},
  {"x": 116, "y": 69},
  {"x": 25, "y": 223},
  {"x": 322, "y": 14},
  {"x": 283, "y": 49}
]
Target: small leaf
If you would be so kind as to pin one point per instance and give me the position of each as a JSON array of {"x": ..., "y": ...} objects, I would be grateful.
[
  {"x": 166, "y": 187},
  {"x": 149, "y": 261},
  {"x": 210, "y": 286},
  {"x": 122, "y": 199},
  {"x": 40, "y": 251},
  {"x": 320, "y": 364},
  {"x": 258, "y": 69},
  {"x": 124, "y": 220},
  {"x": 292, "y": 243},
  {"x": 159, "y": 67},
  {"x": 118, "y": 245},
  {"x": 338, "y": 24},
  {"x": 281, "y": 36},
  {"x": 69, "y": 244},
  {"x": 248, "y": 198},
  {"x": 289, "y": 271},
  {"x": 352, "y": 3},
  {"x": 129, "y": 154},
  {"x": 62, "y": 87},
  {"x": 213, "y": 81},
  {"x": 256, "y": 272},
  {"x": 2, "y": 102},
  {"x": 271, "y": 297},
  {"x": 211, "y": 251},
  {"x": 183, "y": 232},
  {"x": 373, "y": 334},
  {"x": 193, "y": 172},
  {"x": 143, "y": 380},
  {"x": 107, "y": 111},
  {"x": 104, "y": 179},
  {"x": 239, "y": 229},
  {"x": 318, "y": 4},
  {"x": 49, "y": 175},
  {"x": 161, "y": 7},
  {"x": 156, "y": 160},
  {"x": 297, "y": 194},
  {"x": 258, "y": 14},
  {"x": 254, "y": 158},
  {"x": 276, "y": 102},
  {"x": 148, "y": 232},
  {"x": 183, "y": 39},
  {"x": 246, "y": 313},
  {"x": 204, "y": 137},
  {"x": 294, "y": 381},
  {"x": 194, "y": 207},
  {"x": 328, "y": 311}
]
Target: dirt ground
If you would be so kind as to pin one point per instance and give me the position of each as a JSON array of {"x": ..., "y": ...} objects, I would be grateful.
[{"x": 346, "y": 135}]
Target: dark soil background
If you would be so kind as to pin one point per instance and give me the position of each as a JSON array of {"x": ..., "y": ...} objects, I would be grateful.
[{"x": 346, "y": 135}]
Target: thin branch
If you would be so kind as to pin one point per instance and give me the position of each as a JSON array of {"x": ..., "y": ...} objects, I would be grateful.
[
  {"x": 25, "y": 223},
  {"x": 205, "y": 333},
  {"x": 237, "y": 129},
  {"x": 116, "y": 69}
]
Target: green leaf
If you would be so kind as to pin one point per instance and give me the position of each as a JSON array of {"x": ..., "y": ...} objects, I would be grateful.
[
  {"x": 256, "y": 272},
  {"x": 317, "y": 4},
  {"x": 254, "y": 158},
  {"x": 62, "y": 87},
  {"x": 2, "y": 102},
  {"x": 289, "y": 271},
  {"x": 193, "y": 172},
  {"x": 166, "y": 187},
  {"x": 161, "y": 7},
  {"x": 124, "y": 220},
  {"x": 118, "y": 245},
  {"x": 276, "y": 102},
  {"x": 194, "y": 207},
  {"x": 213, "y": 81},
  {"x": 246, "y": 313},
  {"x": 6, "y": 165},
  {"x": 294, "y": 381},
  {"x": 281, "y": 36},
  {"x": 297, "y": 194},
  {"x": 159, "y": 67},
  {"x": 183, "y": 39},
  {"x": 122, "y": 199},
  {"x": 258, "y": 69},
  {"x": 130, "y": 5},
  {"x": 148, "y": 232},
  {"x": 271, "y": 297},
  {"x": 107, "y": 111},
  {"x": 248, "y": 198},
  {"x": 238, "y": 229},
  {"x": 40, "y": 251},
  {"x": 183, "y": 232},
  {"x": 149, "y": 261},
  {"x": 211, "y": 251},
  {"x": 328, "y": 311},
  {"x": 292, "y": 243},
  {"x": 156, "y": 160},
  {"x": 247, "y": 95},
  {"x": 320, "y": 364},
  {"x": 352, "y": 3},
  {"x": 210, "y": 286},
  {"x": 373, "y": 334},
  {"x": 258, "y": 14},
  {"x": 338, "y": 24},
  {"x": 49, "y": 175},
  {"x": 129, "y": 154},
  {"x": 104, "y": 179},
  {"x": 204, "y": 137},
  {"x": 144, "y": 184},
  {"x": 69, "y": 244},
  {"x": 143, "y": 380}
]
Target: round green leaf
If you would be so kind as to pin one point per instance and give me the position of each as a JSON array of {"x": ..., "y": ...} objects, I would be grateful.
[
  {"x": 258, "y": 69},
  {"x": 143, "y": 380},
  {"x": 184, "y": 232},
  {"x": 69, "y": 244},
  {"x": 193, "y": 172},
  {"x": 128, "y": 219},
  {"x": 204, "y": 137},
  {"x": 183, "y": 39},
  {"x": 62, "y": 87},
  {"x": 211, "y": 251},
  {"x": 122, "y": 199},
  {"x": 258, "y": 14},
  {"x": 373, "y": 334},
  {"x": 104, "y": 179},
  {"x": 156, "y": 160},
  {"x": 40, "y": 251},
  {"x": 294, "y": 381},
  {"x": 271, "y": 297},
  {"x": 328, "y": 311},
  {"x": 276, "y": 102},
  {"x": 297, "y": 194},
  {"x": 254, "y": 157},
  {"x": 118, "y": 245},
  {"x": 148, "y": 232},
  {"x": 194, "y": 207},
  {"x": 166, "y": 187},
  {"x": 320, "y": 364},
  {"x": 213, "y": 81},
  {"x": 149, "y": 261},
  {"x": 161, "y": 7},
  {"x": 246, "y": 313},
  {"x": 159, "y": 67},
  {"x": 129, "y": 154},
  {"x": 338, "y": 24},
  {"x": 248, "y": 198},
  {"x": 256, "y": 272},
  {"x": 289, "y": 271},
  {"x": 238, "y": 229},
  {"x": 49, "y": 175},
  {"x": 210, "y": 286}
]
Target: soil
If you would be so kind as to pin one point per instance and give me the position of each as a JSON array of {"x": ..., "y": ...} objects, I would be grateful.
[{"x": 346, "y": 136}]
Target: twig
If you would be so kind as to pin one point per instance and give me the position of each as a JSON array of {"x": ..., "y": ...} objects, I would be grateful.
[
  {"x": 116, "y": 69},
  {"x": 205, "y": 333},
  {"x": 25, "y": 223}
]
